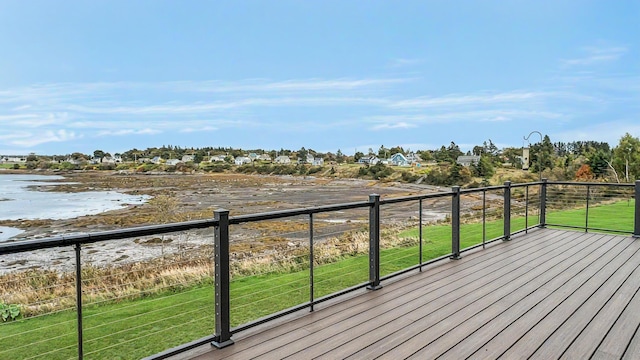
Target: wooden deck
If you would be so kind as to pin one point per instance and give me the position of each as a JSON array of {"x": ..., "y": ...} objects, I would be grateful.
[{"x": 544, "y": 295}]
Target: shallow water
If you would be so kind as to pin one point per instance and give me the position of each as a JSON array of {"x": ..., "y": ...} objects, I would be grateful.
[{"x": 19, "y": 200}]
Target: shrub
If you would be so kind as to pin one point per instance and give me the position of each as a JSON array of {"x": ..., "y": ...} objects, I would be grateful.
[{"x": 9, "y": 312}]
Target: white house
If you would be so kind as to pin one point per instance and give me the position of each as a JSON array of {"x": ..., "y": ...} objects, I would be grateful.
[
  {"x": 112, "y": 159},
  {"x": 187, "y": 158},
  {"x": 13, "y": 159},
  {"x": 264, "y": 157},
  {"x": 317, "y": 161},
  {"x": 282, "y": 159},
  {"x": 413, "y": 158},
  {"x": 241, "y": 160},
  {"x": 467, "y": 160},
  {"x": 217, "y": 158},
  {"x": 173, "y": 162},
  {"x": 371, "y": 160}
]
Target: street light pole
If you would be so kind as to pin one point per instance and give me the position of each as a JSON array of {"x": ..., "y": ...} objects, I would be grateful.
[{"x": 539, "y": 152}]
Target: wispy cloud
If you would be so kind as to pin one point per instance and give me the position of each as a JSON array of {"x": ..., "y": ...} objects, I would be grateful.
[
  {"x": 471, "y": 99},
  {"x": 394, "y": 125},
  {"x": 610, "y": 132},
  {"x": 198, "y": 129},
  {"x": 595, "y": 55},
  {"x": 27, "y": 139},
  {"x": 121, "y": 132},
  {"x": 404, "y": 62},
  {"x": 446, "y": 117}
]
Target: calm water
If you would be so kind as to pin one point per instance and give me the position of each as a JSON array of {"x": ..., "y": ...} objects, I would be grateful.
[{"x": 19, "y": 201}]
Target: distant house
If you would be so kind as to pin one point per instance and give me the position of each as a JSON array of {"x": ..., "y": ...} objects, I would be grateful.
[
  {"x": 399, "y": 159},
  {"x": 73, "y": 161},
  {"x": 309, "y": 159},
  {"x": 112, "y": 159},
  {"x": 414, "y": 158},
  {"x": 282, "y": 159},
  {"x": 371, "y": 160},
  {"x": 173, "y": 162},
  {"x": 467, "y": 160},
  {"x": 188, "y": 158},
  {"x": 317, "y": 161},
  {"x": 156, "y": 160},
  {"x": 241, "y": 160},
  {"x": 217, "y": 158},
  {"x": 13, "y": 159},
  {"x": 264, "y": 157},
  {"x": 253, "y": 156}
]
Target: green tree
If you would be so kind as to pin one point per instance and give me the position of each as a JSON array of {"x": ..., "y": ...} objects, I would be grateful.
[
  {"x": 98, "y": 154},
  {"x": 483, "y": 168},
  {"x": 626, "y": 157},
  {"x": 302, "y": 154},
  {"x": 339, "y": 156},
  {"x": 598, "y": 163},
  {"x": 542, "y": 154}
]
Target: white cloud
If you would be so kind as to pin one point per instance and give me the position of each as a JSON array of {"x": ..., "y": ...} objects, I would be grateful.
[
  {"x": 122, "y": 132},
  {"x": 198, "y": 129},
  {"x": 596, "y": 55},
  {"x": 404, "y": 62},
  {"x": 609, "y": 132},
  {"x": 27, "y": 139},
  {"x": 393, "y": 125},
  {"x": 445, "y": 116},
  {"x": 463, "y": 100}
]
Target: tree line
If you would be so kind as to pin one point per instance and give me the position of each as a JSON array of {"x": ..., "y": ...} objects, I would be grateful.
[{"x": 581, "y": 160}]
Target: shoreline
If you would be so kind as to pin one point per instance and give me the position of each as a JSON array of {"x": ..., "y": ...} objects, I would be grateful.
[{"x": 178, "y": 197}]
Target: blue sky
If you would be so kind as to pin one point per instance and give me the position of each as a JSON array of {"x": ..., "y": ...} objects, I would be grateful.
[{"x": 326, "y": 75}]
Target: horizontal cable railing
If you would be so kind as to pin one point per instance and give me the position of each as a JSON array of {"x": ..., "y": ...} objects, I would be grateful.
[
  {"x": 225, "y": 275},
  {"x": 591, "y": 206}
]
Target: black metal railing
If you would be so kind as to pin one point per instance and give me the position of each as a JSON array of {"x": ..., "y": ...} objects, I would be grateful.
[{"x": 483, "y": 215}]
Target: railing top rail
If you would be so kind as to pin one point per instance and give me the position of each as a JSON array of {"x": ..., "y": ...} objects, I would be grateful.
[
  {"x": 73, "y": 239},
  {"x": 585, "y": 183},
  {"x": 416, "y": 197},
  {"x": 487, "y": 188},
  {"x": 533, "y": 183},
  {"x": 296, "y": 212}
]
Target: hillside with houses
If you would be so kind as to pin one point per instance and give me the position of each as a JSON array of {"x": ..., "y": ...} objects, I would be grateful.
[{"x": 581, "y": 160}]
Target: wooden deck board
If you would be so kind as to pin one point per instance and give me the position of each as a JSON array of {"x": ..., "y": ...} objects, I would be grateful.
[
  {"x": 608, "y": 293},
  {"x": 546, "y": 293},
  {"x": 439, "y": 338},
  {"x": 496, "y": 323},
  {"x": 438, "y": 306}
]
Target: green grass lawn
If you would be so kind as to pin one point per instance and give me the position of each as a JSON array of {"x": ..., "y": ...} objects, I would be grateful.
[
  {"x": 615, "y": 216},
  {"x": 131, "y": 329}
]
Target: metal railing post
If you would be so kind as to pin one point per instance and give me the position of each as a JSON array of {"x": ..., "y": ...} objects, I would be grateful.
[
  {"x": 526, "y": 210},
  {"x": 420, "y": 233},
  {"x": 586, "y": 214},
  {"x": 374, "y": 242},
  {"x": 484, "y": 217},
  {"x": 79, "y": 300},
  {"x": 543, "y": 203},
  {"x": 222, "y": 279},
  {"x": 507, "y": 211},
  {"x": 455, "y": 223},
  {"x": 636, "y": 223},
  {"x": 311, "y": 259}
]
